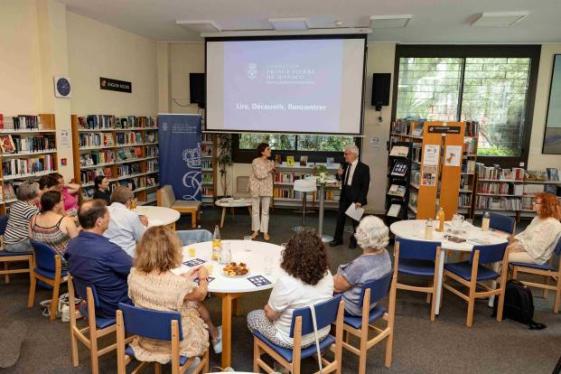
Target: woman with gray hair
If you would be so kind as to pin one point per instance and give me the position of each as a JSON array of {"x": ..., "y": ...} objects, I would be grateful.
[
  {"x": 372, "y": 236},
  {"x": 16, "y": 236}
]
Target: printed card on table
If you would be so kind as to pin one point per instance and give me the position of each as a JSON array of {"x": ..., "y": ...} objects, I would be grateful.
[
  {"x": 194, "y": 262},
  {"x": 259, "y": 280}
]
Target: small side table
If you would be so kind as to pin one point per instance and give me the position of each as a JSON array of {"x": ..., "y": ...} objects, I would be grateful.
[{"x": 229, "y": 202}]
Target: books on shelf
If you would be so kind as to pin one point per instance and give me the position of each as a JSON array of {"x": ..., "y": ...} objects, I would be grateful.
[
  {"x": 25, "y": 166},
  {"x": 536, "y": 175},
  {"x": 397, "y": 190},
  {"x": 394, "y": 210},
  {"x": 532, "y": 189},
  {"x": 501, "y": 188},
  {"x": 400, "y": 169},
  {"x": 21, "y": 122},
  {"x": 96, "y": 140},
  {"x": 7, "y": 144},
  {"x": 128, "y": 138},
  {"x": 464, "y": 200},
  {"x": 497, "y": 173},
  {"x": 471, "y": 129},
  {"x": 552, "y": 174},
  {"x": 399, "y": 151},
  {"x": 498, "y": 203}
]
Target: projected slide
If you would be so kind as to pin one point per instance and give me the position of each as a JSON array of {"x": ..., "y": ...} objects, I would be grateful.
[{"x": 285, "y": 85}]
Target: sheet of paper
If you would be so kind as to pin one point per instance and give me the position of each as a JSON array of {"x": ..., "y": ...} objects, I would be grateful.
[
  {"x": 453, "y": 155},
  {"x": 432, "y": 154},
  {"x": 354, "y": 212}
]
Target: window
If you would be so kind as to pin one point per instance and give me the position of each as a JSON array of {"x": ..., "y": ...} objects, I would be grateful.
[
  {"x": 316, "y": 147},
  {"x": 493, "y": 85}
]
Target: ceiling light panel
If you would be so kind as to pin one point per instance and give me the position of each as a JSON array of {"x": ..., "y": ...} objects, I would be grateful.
[
  {"x": 289, "y": 24},
  {"x": 199, "y": 26},
  {"x": 387, "y": 22},
  {"x": 499, "y": 19}
]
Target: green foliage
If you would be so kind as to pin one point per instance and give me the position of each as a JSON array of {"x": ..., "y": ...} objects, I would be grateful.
[{"x": 322, "y": 143}]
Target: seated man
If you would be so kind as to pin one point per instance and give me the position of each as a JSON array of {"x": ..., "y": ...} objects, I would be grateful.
[
  {"x": 125, "y": 227},
  {"x": 94, "y": 259}
]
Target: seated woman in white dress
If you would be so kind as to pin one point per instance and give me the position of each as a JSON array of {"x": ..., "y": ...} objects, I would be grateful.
[{"x": 536, "y": 243}]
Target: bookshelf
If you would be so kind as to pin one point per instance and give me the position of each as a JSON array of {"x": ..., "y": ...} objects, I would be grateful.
[
  {"x": 124, "y": 149},
  {"x": 209, "y": 167},
  {"x": 284, "y": 194},
  {"x": 468, "y": 177},
  {"x": 28, "y": 149},
  {"x": 400, "y": 162},
  {"x": 511, "y": 191}
]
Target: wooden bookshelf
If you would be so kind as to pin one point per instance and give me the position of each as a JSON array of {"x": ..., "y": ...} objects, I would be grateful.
[
  {"x": 209, "y": 167},
  {"x": 124, "y": 149},
  {"x": 34, "y": 152},
  {"x": 284, "y": 195}
]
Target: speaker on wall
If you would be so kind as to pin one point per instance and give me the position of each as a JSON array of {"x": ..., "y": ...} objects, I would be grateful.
[
  {"x": 381, "y": 90},
  {"x": 197, "y": 89}
]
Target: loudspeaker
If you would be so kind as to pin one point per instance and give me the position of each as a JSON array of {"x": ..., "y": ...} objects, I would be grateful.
[
  {"x": 197, "y": 89},
  {"x": 381, "y": 90}
]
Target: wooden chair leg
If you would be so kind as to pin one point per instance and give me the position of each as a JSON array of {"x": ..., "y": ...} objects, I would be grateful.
[
  {"x": 471, "y": 306},
  {"x": 389, "y": 350},
  {"x": 6, "y": 276},
  {"x": 94, "y": 357},
  {"x": 222, "y": 217},
  {"x": 363, "y": 353},
  {"x": 54, "y": 301},
  {"x": 74, "y": 349},
  {"x": 546, "y": 282},
  {"x": 557, "y": 302},
  {"x": 157, "y": 368},
  {"x": 32, "y": 287},
  {"x": 193, "y": 220},
  {"x": 256, "y": 356},
  {"x": 433, "y": 305}
]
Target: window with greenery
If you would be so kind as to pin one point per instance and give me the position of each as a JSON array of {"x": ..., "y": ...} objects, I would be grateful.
[
  {"x": 488, "y": 84},
  {"x": 313, "y": 143}
]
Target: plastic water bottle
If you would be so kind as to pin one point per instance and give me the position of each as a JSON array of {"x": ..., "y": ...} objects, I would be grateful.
[
  {"x": 485, "y": 221},
  {"x": 428, "y": 229},
  {"x": 216, "y": 244}
]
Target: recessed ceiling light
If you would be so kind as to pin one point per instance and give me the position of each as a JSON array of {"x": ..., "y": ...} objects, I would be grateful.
[
  {"x": 498, "y": 19},
  {"x": 199, "y": 26},
  {"x": 384, "y": 22},
  {"x": 289, "y": 23}
]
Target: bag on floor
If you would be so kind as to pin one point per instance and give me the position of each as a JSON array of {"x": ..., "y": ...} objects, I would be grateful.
[{"x": 519, "y": 305}]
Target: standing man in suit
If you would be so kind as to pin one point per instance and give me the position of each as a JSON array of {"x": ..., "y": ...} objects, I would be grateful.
[{"x": 355, "y": 177}]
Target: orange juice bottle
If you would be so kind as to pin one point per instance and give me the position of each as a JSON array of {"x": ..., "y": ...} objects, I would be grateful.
[
  {"x": 216, "y": 244},
  {"x": 441, "y": 217}
]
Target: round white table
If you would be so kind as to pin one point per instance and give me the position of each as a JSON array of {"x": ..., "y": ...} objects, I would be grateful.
[
  {"x": 261, "y": 259},
  {"x": 415, "y": 230},
  {"x": 158, "y": 215},
  {"x": 229, "y": 202}
]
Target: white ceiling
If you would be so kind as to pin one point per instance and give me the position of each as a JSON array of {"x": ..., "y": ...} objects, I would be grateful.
[{"x": 434, "y": 21}]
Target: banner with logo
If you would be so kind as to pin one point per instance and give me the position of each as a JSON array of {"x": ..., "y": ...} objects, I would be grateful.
[{"x": 180, "y": 154}]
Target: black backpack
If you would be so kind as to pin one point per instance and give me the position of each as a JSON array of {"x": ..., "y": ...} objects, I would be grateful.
[{"x": 519, "y": 305}]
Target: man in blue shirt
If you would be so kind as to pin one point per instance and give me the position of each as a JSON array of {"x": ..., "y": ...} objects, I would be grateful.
[{"x": 95, "y": 260}]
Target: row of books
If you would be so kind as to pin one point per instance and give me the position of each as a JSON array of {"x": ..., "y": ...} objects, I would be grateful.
[
  {"x": 152, "y": 165},
  {"x": 206, "y": 178},
  {"x": 206, "y": 149},
  {"x": 206, "y": 164},
  {"x": 132, "y": 137},
  {"x": 498, "y": 173},
  {"x": 470, "y": 146},
  {"x": 18, "y": 143},
  {"x": 96, "y": 140},
  {"x": 532, "y": 189},
  {"x": 151, "y": 151},
  {"x": 465, "y": 183},
  {"x": 133, "y": 184},
  {"x": 88, "y": 176},
  {"x": 464, "y": 201},
  {"x": 128, "y": 169},
  {"x": 24, "y": 166},
  {"x": 8, "y": 191},
  {"x": 108, "y": 121},
  {"x": 289, "y": 193},
  {"x": 96, "y": 158},
  {"x": 128, "y": 153},
  {"x": 471, "y": 128},
  {"x": 501, "y": 188},
  {"x": 547, "y": 175},
  {"x": 469, "y": 167},
  {"x": 207, "y": 191},
  {"x": 498, "y": 203},
  {"x": 19, "y": 122}
]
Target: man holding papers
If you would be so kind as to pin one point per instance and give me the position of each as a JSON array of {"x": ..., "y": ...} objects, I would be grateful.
[{"x": 355, "y": 177}]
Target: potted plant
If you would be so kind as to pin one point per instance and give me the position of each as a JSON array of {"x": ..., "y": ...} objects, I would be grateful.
[{"x": 224, "y": 160}]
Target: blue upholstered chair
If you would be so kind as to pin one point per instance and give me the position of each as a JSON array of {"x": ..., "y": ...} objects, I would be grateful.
[
  {"x": 327, "y": 313},
  {"x": 501, "y": 222},
  {"x": 471, "y": 273},
  {"x": 7, "y": 257},
  {"x": 371, "y": 294},
  {"x": 96, "y": 328},
  {"x": 547, "y": 270},
  {"x": 188, "y": 237},
  {"x": 47, "y": 268},
  {"x": 418, "y": 258},
  {"x": 153, "y": 324}
]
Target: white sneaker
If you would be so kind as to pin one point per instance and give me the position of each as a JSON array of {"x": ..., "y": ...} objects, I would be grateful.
[
  {"x": 191, "y": 369},
  {"x": 217, "y": 344}
]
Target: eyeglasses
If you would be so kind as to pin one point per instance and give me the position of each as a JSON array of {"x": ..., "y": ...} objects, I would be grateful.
[{"x": 537, "y": 203}]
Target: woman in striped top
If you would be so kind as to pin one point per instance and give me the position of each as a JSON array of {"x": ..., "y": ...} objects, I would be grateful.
[
  {"x": 16, "y": 236},
  {"x": 50, "y": 226}
]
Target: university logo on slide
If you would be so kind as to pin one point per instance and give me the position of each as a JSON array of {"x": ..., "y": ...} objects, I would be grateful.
[{"x": 252, "y": 70}]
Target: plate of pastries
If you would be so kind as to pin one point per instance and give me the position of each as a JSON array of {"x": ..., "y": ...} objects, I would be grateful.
[{"x": 235, "y": 269}]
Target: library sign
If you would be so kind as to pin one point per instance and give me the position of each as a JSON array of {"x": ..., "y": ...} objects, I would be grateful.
[
  {"x": 444, "y": 129},
  {"x": 115, "y": 85}
]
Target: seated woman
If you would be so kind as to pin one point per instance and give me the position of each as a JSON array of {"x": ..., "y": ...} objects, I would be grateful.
[
  {"x": 536, "y": 243},
  {"x": 305, "y": 280},
  {"x": 101, "y": 189},
  {"x": 16, "y": 236},
  {"x": 51, "y": 226},
  {"x": 70, "y": 193},
  {"x": 152, "y": 285},
  {"x": 372, "y": 236}
]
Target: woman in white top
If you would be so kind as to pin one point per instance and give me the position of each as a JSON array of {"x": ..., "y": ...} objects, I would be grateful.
[
  {"x": 305, "y": 280},
  {"x": 261, "y": 189},
  {"x": 536, "y": 243}
]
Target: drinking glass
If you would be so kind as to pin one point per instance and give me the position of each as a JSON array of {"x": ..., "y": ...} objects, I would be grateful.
[{"x": 268, "y": 268}]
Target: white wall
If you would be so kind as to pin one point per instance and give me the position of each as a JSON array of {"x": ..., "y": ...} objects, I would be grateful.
[
  {"x": 97, "y": 50},
  {"x": 537, "y": 160}
]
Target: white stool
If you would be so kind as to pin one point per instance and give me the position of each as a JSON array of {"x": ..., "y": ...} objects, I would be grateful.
[{"x": 304, "y": 186}]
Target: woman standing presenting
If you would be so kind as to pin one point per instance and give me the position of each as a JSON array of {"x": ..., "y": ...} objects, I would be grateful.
[{"x": 261, "y": 189}]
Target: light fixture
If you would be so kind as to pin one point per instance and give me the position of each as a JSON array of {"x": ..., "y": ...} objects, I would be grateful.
[
  {"x": 498, "y": 19},
  {"x": 289, "y": 24},
  {"x": 199, "y": 26},
  {"x": 385, "y": 22}
]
